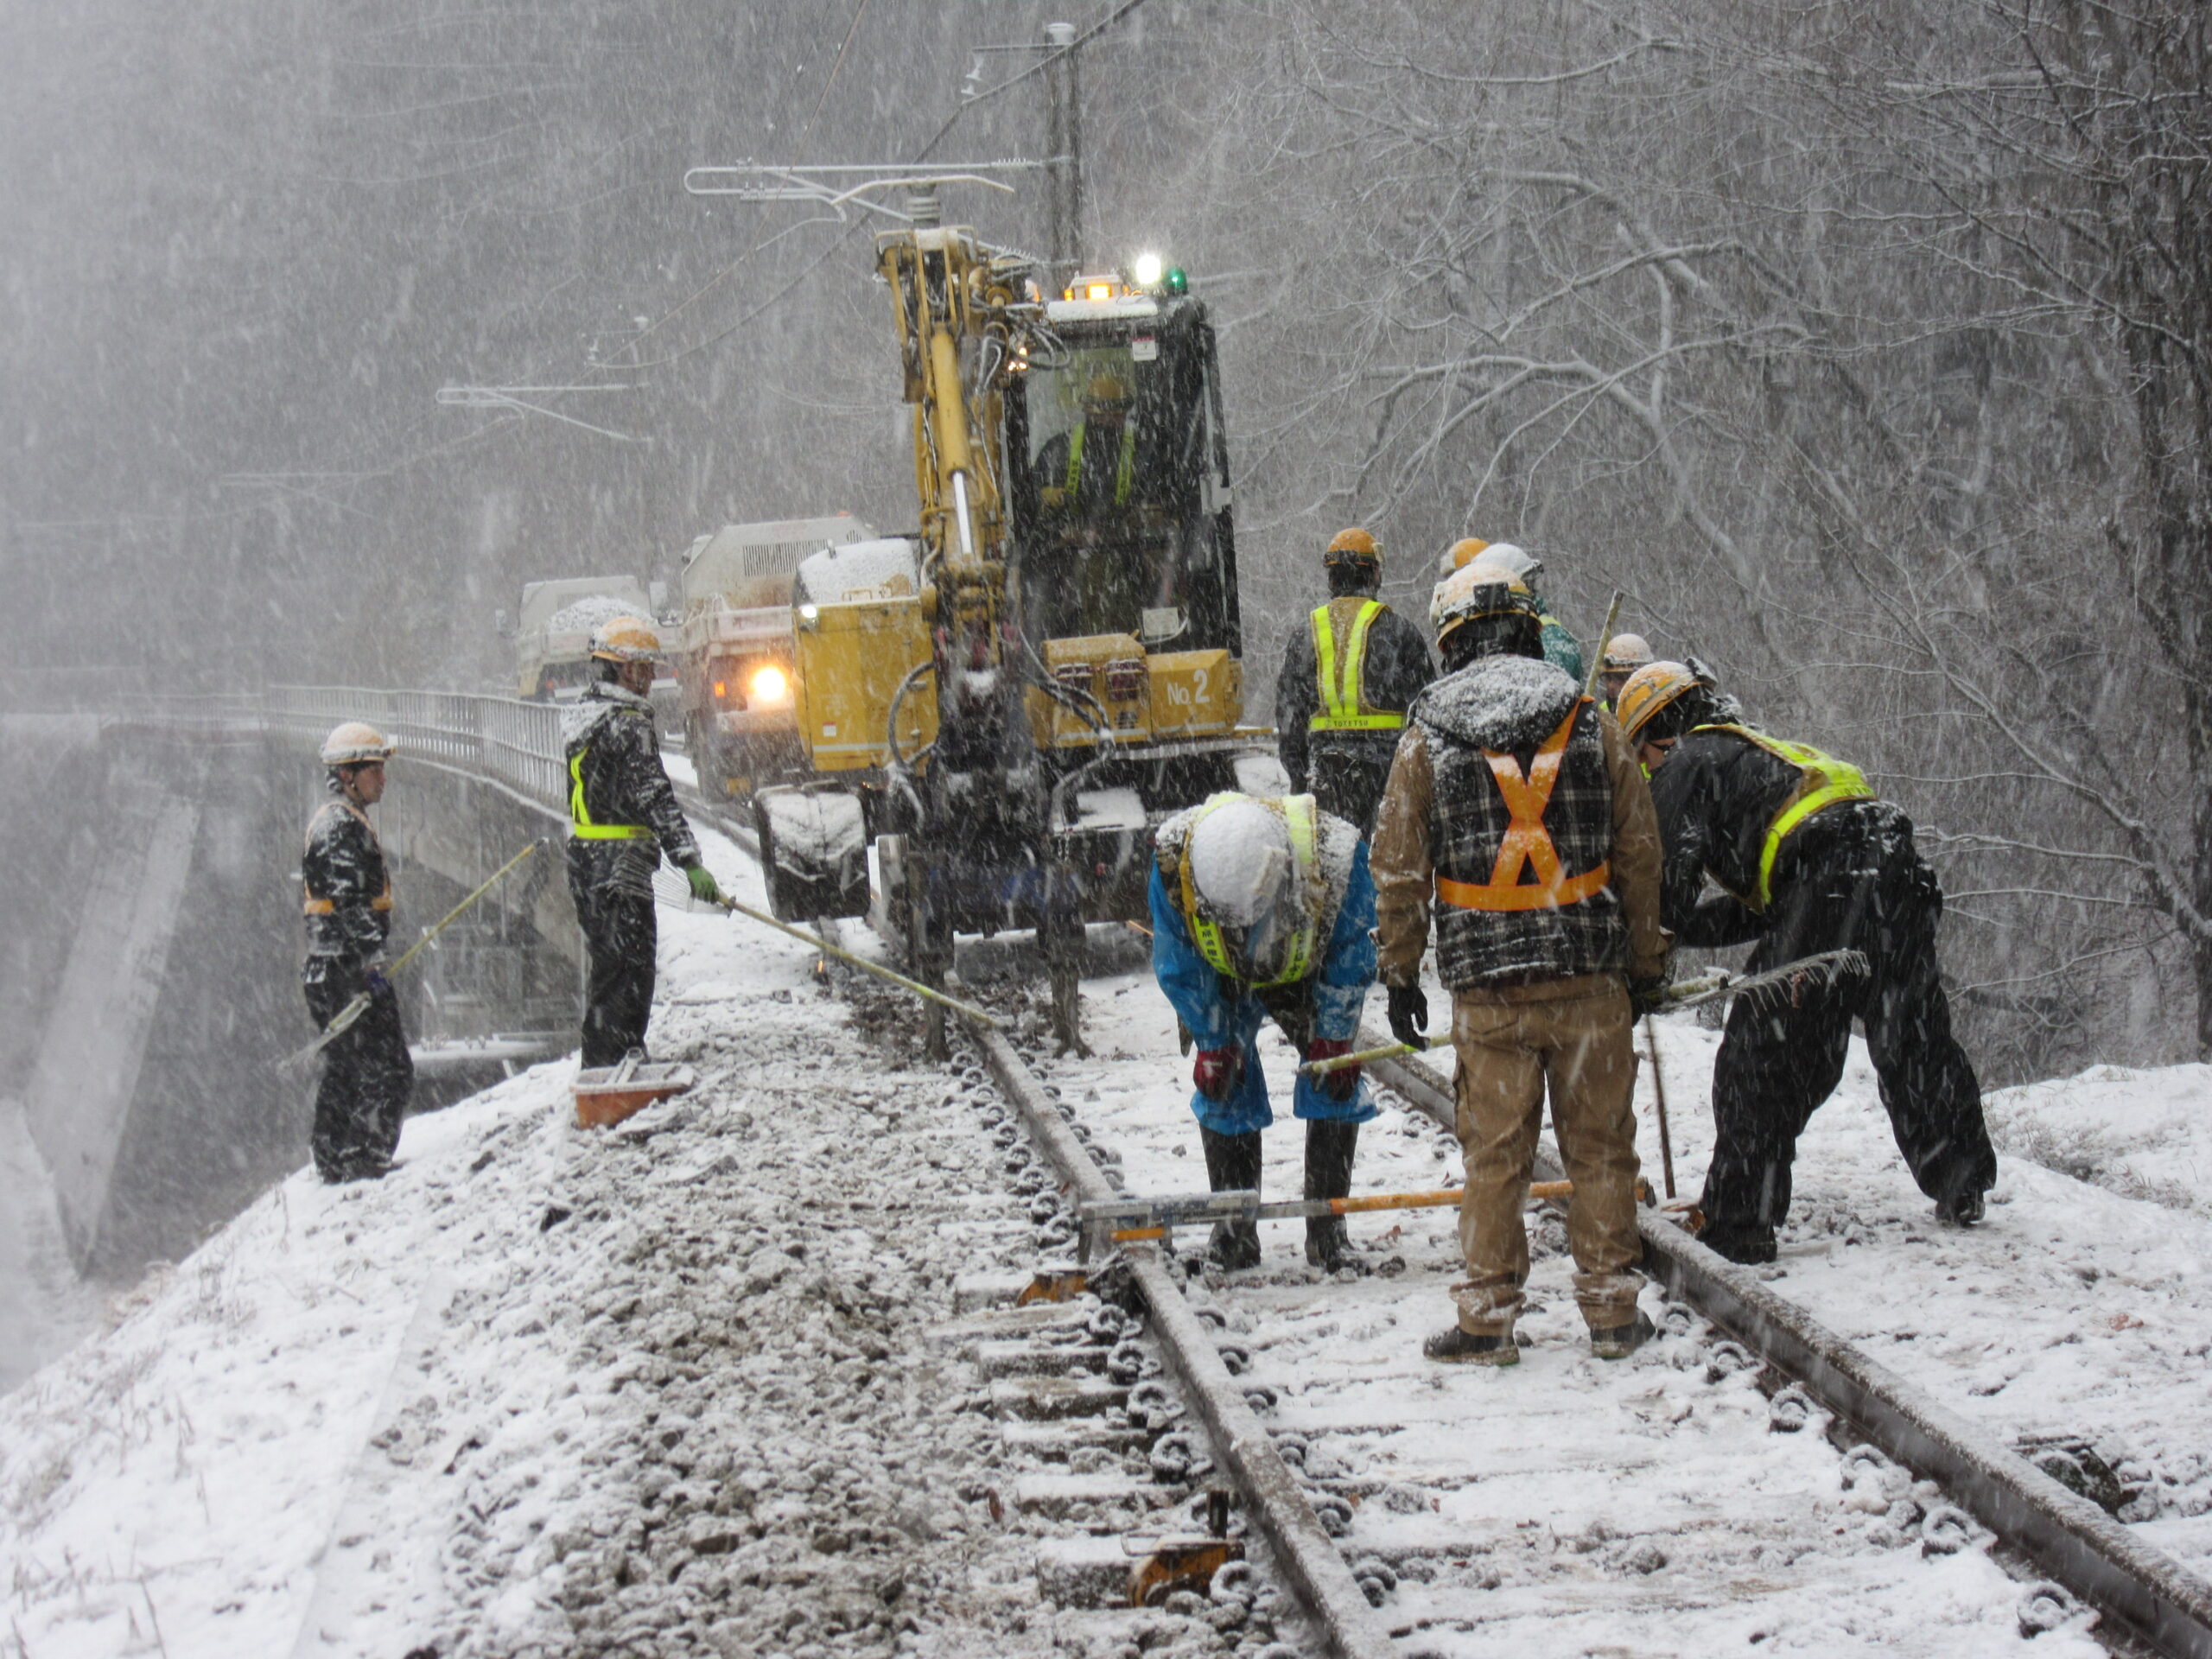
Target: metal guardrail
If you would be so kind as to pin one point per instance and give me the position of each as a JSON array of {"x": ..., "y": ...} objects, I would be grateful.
[{"x": 514, "y": 743}]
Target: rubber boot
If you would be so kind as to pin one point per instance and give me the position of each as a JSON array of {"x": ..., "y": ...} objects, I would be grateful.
[
  {"x": 1329, "y": 1148},
  {"x": 1232, "y": 1165}
]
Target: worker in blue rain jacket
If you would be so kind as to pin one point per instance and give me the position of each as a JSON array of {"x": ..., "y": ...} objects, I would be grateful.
[{"x": 1264, "y": 909}]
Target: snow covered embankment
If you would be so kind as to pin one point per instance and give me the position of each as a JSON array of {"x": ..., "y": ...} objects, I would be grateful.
[{"x": 660, "y": 1390}]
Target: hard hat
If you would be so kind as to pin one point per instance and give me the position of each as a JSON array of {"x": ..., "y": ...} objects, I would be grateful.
[
  {"x": 1353, "y": 546},
  {"x": 1477, "y": 590},
  {"x": 1244, "y": 876},
  {"x": 1514, "y": 561},
  {"x": 1650, "y": 689},
  {"x": 1106, "y": 388},
  {"x": 355, "y": 743},
  {"x": 1628, "y": 651},
  {"x": 1460, "y": 555},
  {"x": 626, "y": 639}
]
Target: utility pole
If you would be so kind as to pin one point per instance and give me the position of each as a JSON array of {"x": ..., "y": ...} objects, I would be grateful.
[{"x": 1063, "y": 151}]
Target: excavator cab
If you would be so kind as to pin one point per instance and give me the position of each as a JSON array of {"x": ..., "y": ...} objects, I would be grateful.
[{"x": 1118, "y": 473}]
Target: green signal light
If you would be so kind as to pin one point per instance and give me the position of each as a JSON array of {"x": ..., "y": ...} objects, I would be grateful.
[{"x": 1175, "y": 281}]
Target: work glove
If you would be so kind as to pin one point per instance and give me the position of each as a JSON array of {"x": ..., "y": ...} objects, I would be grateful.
[
  {"x": 1647, "y": 995},
  {"x": 1410, "y": 1015},
  {"x": 377, "y": 982},
  {"x": 703, "y": 885},
  {"x": 1341, "y": 1084},
  {"x": 1217, "y": 1070}
]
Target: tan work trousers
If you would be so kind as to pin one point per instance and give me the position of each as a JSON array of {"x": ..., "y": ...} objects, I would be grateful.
[{"x": 1580, "y": 1045}]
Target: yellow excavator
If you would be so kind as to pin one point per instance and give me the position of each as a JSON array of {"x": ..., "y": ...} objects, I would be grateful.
[{"x": 1006, "y": 703}]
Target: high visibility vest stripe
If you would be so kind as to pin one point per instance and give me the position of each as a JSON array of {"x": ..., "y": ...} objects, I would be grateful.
[
  {"x": 1124, "y": 471},
  {"x": 1342, "y": 693},
  {"x": 1297, "y": 814},
  {"x": 1823, "y": 781},
  {"x": 582, "y": 827},
  {"x": 1527, "y": 842}
]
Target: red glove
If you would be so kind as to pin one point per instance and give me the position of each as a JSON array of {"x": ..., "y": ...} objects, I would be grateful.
[
  {"x": 1217, "y": 1071},
  {"x": 1343, "y": 1081}
]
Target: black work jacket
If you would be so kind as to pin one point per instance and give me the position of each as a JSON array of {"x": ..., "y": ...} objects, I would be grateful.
[
  {"x": 1396, "y": 669},
  {"x": 348, "y": 889},
  {"x": 615, "y": 777},
  {"x": 1717, "y": 795}
]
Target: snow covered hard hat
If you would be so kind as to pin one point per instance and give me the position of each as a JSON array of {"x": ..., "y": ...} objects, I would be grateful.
[
  {"x": 356, "y": 744},
  {"x": 1652, "y": 688},
  {"x": 1477, "y": 590},
  {"x": 626, "y": 639},
  {"x": 1513, "y": 560},
  {"x": 1353, "y": 546},
  {"x": 1627, "y": 651},
  {"x": 1245, "y": 877}
]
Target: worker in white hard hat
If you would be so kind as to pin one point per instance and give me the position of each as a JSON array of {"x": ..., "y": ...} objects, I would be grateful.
[
  {"x": 1262, "y": 909},
  {"x": 1625, "y": 654},
  {"x": 623, "y": 818},
  {"x": 1517, "y": 824},
  {"x": 1515, "y": 564},
  {"x": 367, "y": 1076}
]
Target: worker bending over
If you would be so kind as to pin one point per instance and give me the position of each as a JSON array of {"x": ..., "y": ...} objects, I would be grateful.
[
  {"x": 1264, "y": 908},
  {"x": 1810, "y": 861},
  {"x": 1515, "y": 806},
  {"x": 624, "y": 817},
  {"x": 367, "y": 1076},
  {"x": 1347, "y": 680}
]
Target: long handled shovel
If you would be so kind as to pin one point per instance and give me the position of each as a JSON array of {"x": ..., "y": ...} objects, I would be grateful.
[{"x": 345, "y": 1017}]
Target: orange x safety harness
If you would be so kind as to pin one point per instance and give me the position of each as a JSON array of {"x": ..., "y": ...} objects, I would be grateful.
[{"x": 1527, "y": 841}]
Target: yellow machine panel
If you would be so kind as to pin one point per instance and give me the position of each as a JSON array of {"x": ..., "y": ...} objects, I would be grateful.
[
  {"x": 1111, "y": 668},
  {"x": 851, "y": 659},
  {"x": 1195, "y": 694}
]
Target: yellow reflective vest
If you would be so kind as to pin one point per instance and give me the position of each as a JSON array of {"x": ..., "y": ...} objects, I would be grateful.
[
  {"x": 1341, "y": 683},
  {"x": 1297, "y": 812},
  {"x": 1823, "y": 781}
]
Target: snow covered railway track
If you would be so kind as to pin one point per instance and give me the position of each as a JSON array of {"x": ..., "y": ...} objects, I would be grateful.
[
  {"x": 1683, "y": 1502},
  {"x": 1524, "y": 1521},
  {"x": 2159, "y": 1601}
]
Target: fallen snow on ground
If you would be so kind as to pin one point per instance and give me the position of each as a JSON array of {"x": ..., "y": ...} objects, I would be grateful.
[
  {"x": 665, "y": 1390},
  {"x": 2143, "y": 1134}
]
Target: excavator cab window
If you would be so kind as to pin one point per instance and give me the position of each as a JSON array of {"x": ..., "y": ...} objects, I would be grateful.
[{"x": 1120, "y": 488}]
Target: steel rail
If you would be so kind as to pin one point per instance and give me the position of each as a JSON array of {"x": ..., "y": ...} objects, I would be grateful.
[{"x": 2077, "y": 1544}]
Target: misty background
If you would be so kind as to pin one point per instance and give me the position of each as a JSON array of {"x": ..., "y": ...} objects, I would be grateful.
[{"x": 1864, "y": 344}]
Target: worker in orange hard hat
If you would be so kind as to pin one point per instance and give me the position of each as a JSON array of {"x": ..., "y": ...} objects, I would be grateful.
[
  {"x": 1780, "y": 845},
  {"x": 1348, "y": 677},
  {"x": 623, "y": 817},
  {"x": 367, "y": 1077}
]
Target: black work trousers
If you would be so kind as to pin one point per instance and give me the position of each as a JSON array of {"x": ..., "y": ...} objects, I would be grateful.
[
  {"x": 620, "y": 938},
  {"x": 1849, "y": 877},
  {"x": 367, "y": 1076},
  {"x": 1348, "y": 774}
]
